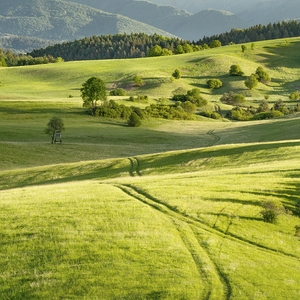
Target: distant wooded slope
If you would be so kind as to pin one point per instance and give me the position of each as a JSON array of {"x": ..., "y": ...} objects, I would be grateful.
[{"x": 61, "y": 20}]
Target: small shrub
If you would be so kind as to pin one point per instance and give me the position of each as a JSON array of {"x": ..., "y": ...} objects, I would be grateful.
[
  {"x": 177, "y": 74},
  {"x": 134, "y": 120},
  {"x": 244, "y": 48},
  {"x": 297, "y": 228},
  {"x": 215, "y": 115},
  {"x": 137, "y": 80},
  {"x": 214, "y": 83},
  {"x": 215, "y": 44},
  {"x": 131, "y": 98},
  {"x": 117, "y": 92},
  {"x": 70, "y": 96},
  {"x": 294, "y": 96},
  {"x": 262, "y": 75},
  {"x": 271, "y": 210},
  {"x": 235, "y": 70},
  {"x": 251, "y": 82}
]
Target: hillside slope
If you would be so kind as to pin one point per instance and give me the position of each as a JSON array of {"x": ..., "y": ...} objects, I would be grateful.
[
  {"x": 171, "y": 19},
  {"x": 63, "y": 20}
]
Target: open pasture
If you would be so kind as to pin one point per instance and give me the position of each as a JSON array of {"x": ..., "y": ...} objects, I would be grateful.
[{"x": 168, "y": 210}]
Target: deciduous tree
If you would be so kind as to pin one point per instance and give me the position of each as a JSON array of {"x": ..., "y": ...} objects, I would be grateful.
[{"x": 93, "y": 90}]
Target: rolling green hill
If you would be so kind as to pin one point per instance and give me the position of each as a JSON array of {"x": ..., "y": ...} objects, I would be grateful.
[
  {"x": 168, "y": 210},
  {"x": 62, "y": 20}
]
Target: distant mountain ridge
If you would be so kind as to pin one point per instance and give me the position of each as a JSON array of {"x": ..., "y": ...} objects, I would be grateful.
[
  {"x": 179, "y": 22},
  {"x": 61, "y": 20}
]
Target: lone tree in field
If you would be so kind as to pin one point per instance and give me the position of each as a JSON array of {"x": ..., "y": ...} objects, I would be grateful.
[
  {"x": 235, "y": 70},
  {"x": 177, "y": 74},
  {"x": 137, "y": 80},
  {"x": 251, "y": 82},
  {"x": 93, "y": 90},
  {"x": 214, "y": 83},
  {"x": 55, "y": 124},
  {"x": 262, "y": 75}
]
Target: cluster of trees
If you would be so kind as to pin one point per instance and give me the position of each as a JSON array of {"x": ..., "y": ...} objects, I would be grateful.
[
  {"x": 170, "y": 112},
  {"x": 262, "y": 112},
  {"x": 23, "y": 44},
  {"x": 194, "y": 96},
  {"x": 116, "y": 46},
  {"x": 10, "y": 59},
  {"x": 255, "y": 33}
]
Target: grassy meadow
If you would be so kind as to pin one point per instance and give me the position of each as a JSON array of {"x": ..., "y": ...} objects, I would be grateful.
[{"x": 168, "y": 210}]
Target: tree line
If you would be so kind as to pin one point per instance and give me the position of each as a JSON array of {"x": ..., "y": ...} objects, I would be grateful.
[
  {"x": 11, "y": 59},
  {"x": 137, "y": 45},
  {"x": 256, "y": 33},
  {"x": 119, "y": 46}
]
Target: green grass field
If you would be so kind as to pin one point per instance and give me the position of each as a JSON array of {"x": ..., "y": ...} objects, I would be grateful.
[{"x": 168, "y": 210}]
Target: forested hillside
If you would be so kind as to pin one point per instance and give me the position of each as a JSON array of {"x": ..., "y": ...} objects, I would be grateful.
[
  {"x": 61, "y": 20},
  {"x": 138, "y": 45},
  {"x": 23, "y": 44},
  {"x": 109, "y": 47},
  {"x": 176, "y": 21}
]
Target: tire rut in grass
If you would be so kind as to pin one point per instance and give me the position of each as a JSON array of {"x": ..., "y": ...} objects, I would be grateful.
[
  {"x": 216, "y": 138},
  {"x": 223, "y": 234},
  {"x": 217, "y": 286},
  {"x": 134, "y": 166}
]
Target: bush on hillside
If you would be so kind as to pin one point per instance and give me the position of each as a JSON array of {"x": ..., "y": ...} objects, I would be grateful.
[
  {"x": 117, "y": 92},
  {"x": 177, "y": 74},
  {"x": 137, "y": 80},
  {"x": 210, "y": 114},
  {"x": 215, "y": 44},
  {"x": 194, "y": 96},
  {"x": 251, "y": 82},
  {"x": 232, "y": 98},
  {"x": 214, "y": 83},
  {"x": 294, "y": 96},
  {"x": 134, "y": 120},
  {"x": 235, "y": 70},
  {"x": 262, "y": 75},
  {"x": 267, "y": 115},
  {"x": 263, "y": 106},
  {"x": 271, "y": 210}
]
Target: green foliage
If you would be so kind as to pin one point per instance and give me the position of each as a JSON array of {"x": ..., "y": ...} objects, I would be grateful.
[
  {"x": 137, "y": 80},
  {"x": 113, "y": 110},
  {"x": 214, "y": 83},
  {"x": 134, "y": 120},
  {"x": 297, "y": 231},
  {"x": 263, "y": 106},
  {"x": 271, "y": 210},
  {"x": 158, "y": 51},
  {"x": 118, "y": 46},
  {"x": 167, "y": 112},
  {"x": 294, "y": 96},
  {"x": 194, "y": 96},
  {"x": 267, "y": 115},
  {"x": 279, "y": 105},
  {"x": 252, "y": 46},
  {"x": 232, "y": 98},
  {"x": 235, "y": 70},
  {"x": 177, "y": 74},
  {"x": 215, "y": 44},
  {"x": 189, "y": 107},
  {"x": 117, "y": 92},
  {"x": 10, "y": 59},
  {"x": 54, "y": 125},
  {"x": 262, "y": 75},
  {"x": 93, "y": 90},
  {"x": 210, "y": 114},
  {"x": 251, "y": 82},
  {"x": 240, "y": 115},
  {"x": 244, "y": 48}
]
